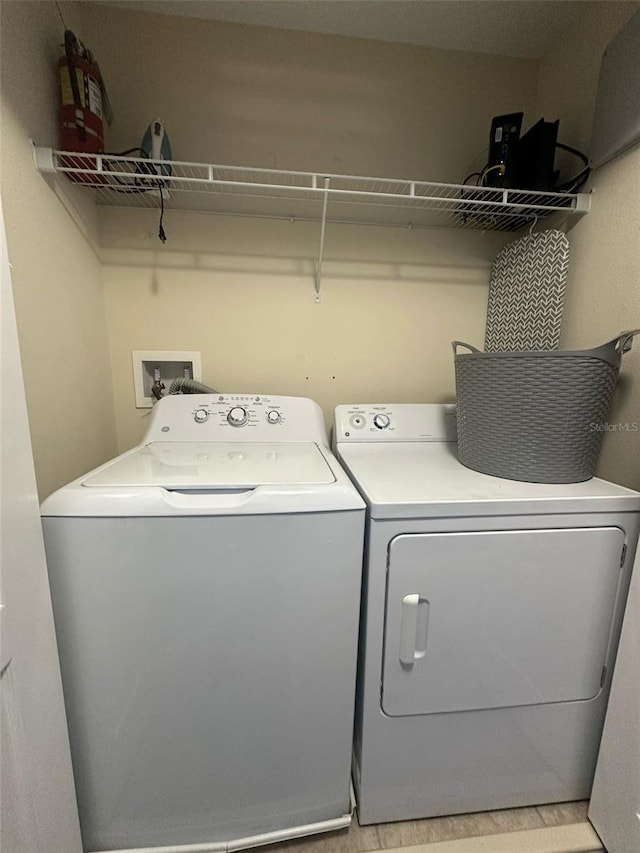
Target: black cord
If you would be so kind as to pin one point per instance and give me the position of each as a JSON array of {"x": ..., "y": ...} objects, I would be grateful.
[
  {"x": 473, "y": 175},
  {"x": 161, "y": 234},
  {"x": 139, "y": 186},
  {"x": 574, "y": 183},
  {"x": 60, "y": 13},
  {"x": 124, "y": 153},
  {"x": 129, "y": 188},
  {"x": 136, "y": 186},
  {"x": 575, "y": 151}
]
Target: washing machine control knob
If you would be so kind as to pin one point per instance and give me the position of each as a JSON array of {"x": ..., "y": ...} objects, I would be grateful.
[
  {"x": 200, "y": 416},
  {"x": 237, "y": 416},
  {"x": 273, "y": 417},
  {"x": 381, "y": 421}
]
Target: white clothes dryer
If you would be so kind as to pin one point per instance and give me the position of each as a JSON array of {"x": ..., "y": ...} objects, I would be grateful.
[
  {"x": 206, "y": 590},
  {"x": 490, "y": 617}
]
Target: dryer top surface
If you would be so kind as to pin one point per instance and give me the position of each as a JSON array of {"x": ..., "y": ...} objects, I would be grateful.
[
  {"x": 425, "y": 479},
  {"x": 403, "y": 457}
]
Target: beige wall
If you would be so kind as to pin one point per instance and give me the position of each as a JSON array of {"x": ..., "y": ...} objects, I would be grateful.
[
  {"x": 382, "y": 330},
  {"x": 241, "y": 291},
  {"x": 56, "y": 274},
  {"x": 236, "y": 94},
  {"x": 604, "y": 283}
]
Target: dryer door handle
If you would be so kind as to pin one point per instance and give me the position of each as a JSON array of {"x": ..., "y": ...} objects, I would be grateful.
[
  {"x": 408, "y": 628},
  {"x": 414, "y": 623}
]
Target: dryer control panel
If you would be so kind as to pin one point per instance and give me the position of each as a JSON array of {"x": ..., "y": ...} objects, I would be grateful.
[
  {"x": 236, "y": 417},
  {"x": 379, "y": 422}
]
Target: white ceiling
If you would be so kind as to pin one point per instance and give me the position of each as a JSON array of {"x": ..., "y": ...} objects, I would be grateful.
[{"x": 525, "y": 28}]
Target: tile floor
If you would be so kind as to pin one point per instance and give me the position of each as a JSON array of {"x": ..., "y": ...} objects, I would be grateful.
[{"x": 360, "y": 839}]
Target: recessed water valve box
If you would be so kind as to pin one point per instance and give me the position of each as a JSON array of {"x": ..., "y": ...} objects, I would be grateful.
[{"x": 161, "y": 367}]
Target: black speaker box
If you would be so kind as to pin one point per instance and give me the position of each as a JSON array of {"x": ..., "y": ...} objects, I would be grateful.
[{"x": 535, "y": 157}]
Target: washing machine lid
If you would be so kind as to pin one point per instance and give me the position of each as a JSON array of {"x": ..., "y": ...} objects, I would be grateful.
[
  {"x": 423, "y": 479},
  {"x": 215, "y": 465}
]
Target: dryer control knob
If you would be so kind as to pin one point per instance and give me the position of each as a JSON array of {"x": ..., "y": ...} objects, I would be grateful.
[
  {"x": 200, "y": 416},
  {"x": 381, "y": 421},
  {"x": 273, "y": 417},
  {"x": 237, "y": 416}
]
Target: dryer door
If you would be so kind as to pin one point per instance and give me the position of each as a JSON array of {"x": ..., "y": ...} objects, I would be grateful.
[{"x": 497, "y": 619}]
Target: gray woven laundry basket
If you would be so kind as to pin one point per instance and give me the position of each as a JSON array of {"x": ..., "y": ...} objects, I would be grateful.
[{"x": 535, "y": 416}]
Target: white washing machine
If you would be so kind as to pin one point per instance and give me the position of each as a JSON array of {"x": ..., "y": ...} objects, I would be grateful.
[
  {"x": 490, "y": 618},
  {"x": 206, "y": 590}
]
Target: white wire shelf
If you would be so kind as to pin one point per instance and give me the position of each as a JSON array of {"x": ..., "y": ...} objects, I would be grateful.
[{"x": 131, "y": 182}]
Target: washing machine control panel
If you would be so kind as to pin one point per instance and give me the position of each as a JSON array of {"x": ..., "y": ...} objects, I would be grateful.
[
  {"x": 236, "y": 417},
  {"x": 241, "y": 410},
  {"x": 395, "y": 422}
]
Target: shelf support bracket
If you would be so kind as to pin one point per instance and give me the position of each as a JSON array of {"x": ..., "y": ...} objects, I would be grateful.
[
  {"x": 323, "y": 224},
  {"x": 43, "y": 158}
]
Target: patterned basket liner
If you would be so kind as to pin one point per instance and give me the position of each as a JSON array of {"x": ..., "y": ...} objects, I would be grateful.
[{"x": 526, "y": 293}]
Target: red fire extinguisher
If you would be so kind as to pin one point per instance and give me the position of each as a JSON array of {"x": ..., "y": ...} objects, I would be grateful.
[{"x": 84, "y": 103}]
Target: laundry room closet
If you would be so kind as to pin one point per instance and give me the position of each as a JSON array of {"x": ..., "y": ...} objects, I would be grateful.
[
  {"x": 92, "y": 286},
  {"x": 354, "y": 297}
]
